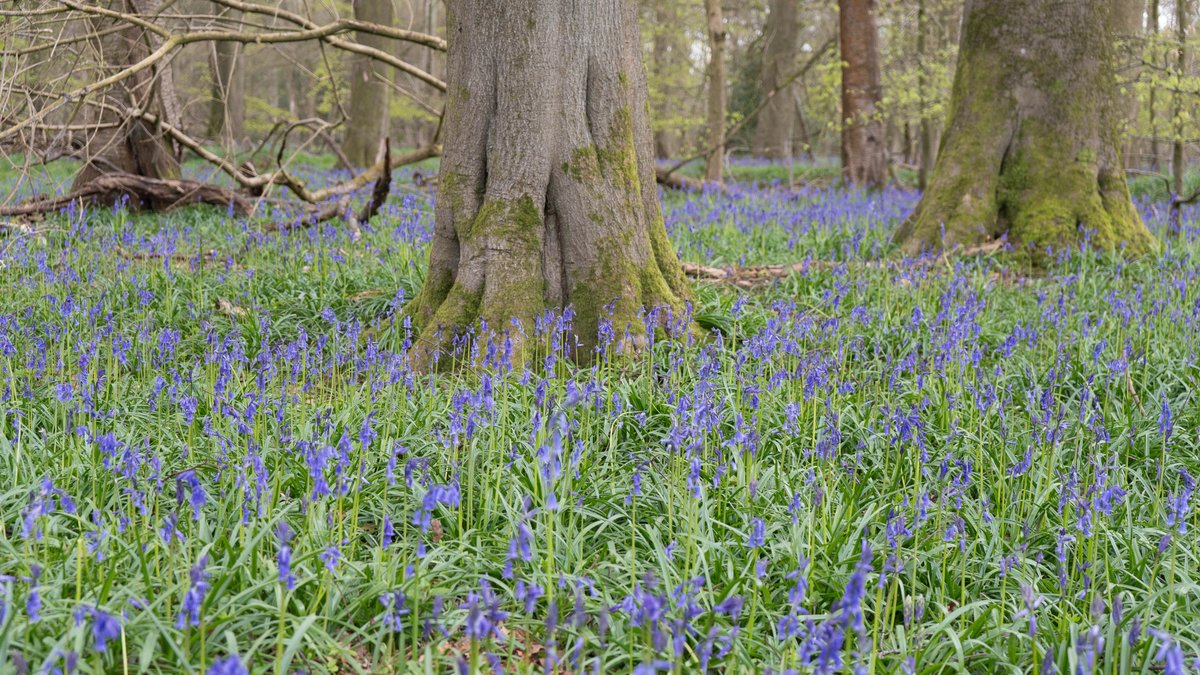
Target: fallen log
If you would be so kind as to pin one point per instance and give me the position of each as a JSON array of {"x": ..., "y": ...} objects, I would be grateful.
[{"x": 156, "y": 194}]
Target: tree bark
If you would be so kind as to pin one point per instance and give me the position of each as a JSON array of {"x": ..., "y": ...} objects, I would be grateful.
[
  {"x": 669, "y": 56},
  {"x": 773, "y": 133},
  {"x": 546, "y": 194},
  {"x": 1127, "y": 24},
  {"x": 1032, "y": 146},
  {"x": 1181, "y": 62},
  {"x": 864, "y": 153},
  {"x": 368, "y": 123},
  {"x": 925, "y": 134},
  {"x": 1152, "y": 110},
  {"x": 715, "y": 162},
  {"x": 130, "y": 146},
  {"x": 226, "y": 112}
]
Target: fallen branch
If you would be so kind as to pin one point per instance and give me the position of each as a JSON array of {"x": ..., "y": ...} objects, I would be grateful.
[
  {"x": 382, "y": 186},
  {"x": 749, "y": 277},
  {"x": 677, "y": 181},
  {"x": 150, "y": 193}
]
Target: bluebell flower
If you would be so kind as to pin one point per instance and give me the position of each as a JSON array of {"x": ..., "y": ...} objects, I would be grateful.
[
  {"x": 1169, "y": 653},
  {"x": 757, "y": 533},
  {"x": 394, "y": 609},
  {"x": 331, "y": 556},
  {"x": 483, "y": 613},
  {"x": 230, "y": 665},
  {"x": 105, "y": 628},
  {"x": 193, "y": 600}
]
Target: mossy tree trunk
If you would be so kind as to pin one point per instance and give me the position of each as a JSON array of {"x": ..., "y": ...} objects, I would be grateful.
[
  {"x": 773, "y": 133},
  {"x": 368, "y": 123},
  {"x": 547, "y": 196},
  {"x": 1032, "y": 146},
  {"x": 864, "y": 152}
]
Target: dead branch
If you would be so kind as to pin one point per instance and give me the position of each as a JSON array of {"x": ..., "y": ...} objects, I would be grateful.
[
  {"x": 382, "y": 185},
  {"x": 152, "y": 193},
  {"x": 757, "y": 275},
  {"x": 678, "y": 181},
  {"x": 173, "y": 41}
]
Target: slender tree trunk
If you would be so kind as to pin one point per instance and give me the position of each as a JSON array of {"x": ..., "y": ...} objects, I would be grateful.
[
  {"x": 546, "y": 195},
  {"x": 1032, "y": 148},
  {"x": 805, "y": 148},
  {"x": 1127, "y": 23},
  {"x": 668, "y": 53},
  {"x": 714, "y": 166},
  {"x": 772, "y": 135},
  {"x": 864, "y": 152},
  {"x": 226, "y": 112},
  {"x": 133, "y": 146},
  {"x": 1181, "y": 61},
  {"x": 368, "y": 124},
  {"x": 925, "y": 135},
  {"x": 1150, "y": 103}
]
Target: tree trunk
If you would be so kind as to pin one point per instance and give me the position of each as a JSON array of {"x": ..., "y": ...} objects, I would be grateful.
[
  {"x": 1127, "y": 24},
  {"x": 133, "y": 146},
  {"x": 715, "y": 162},
  {"x": 546, "y": 195},
  {"x": 226, "y": 112},
  {"x": 925, "y": 134},
  {"x": 368, "y": 124},
  {"x": 1150, "y": 103},
  {"x": 772, "y": 135},
  {"x": 1032, "y": 146},
  {"x": 864, "y": 153},
  {"x": 1177, "y": 130},
  {"x": 669, "y": 54}
]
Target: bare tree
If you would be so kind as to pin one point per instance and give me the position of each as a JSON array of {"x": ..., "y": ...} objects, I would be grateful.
[{"x": 105, "y": 92}]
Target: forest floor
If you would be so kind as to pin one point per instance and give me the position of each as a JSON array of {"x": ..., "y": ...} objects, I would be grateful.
[{"x": 211, "y": 448}]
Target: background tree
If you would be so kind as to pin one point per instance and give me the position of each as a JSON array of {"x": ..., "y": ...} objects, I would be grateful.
[
  {"x": 776, "y": 123},
  {"x": 1178, "y": 111},
  {"x": 715, "y": 160},
  {"x": 1032, "y": 150},
  {"x": 118, "y": 141},
  {"x": 369, "y": 92},
  {"x": 226, "y": 113},
  {"x": 864, "y": 153},
  {"x": 547, "y": 195}
]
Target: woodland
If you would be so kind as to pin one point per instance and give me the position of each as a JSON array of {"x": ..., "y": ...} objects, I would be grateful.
[{"x": 648, "y": 336}]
